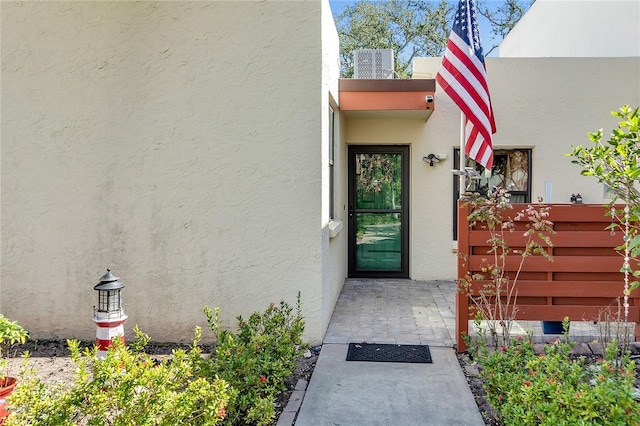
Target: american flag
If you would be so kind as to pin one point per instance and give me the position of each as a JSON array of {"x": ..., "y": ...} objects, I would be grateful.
[{"x": 463, "y": 77}]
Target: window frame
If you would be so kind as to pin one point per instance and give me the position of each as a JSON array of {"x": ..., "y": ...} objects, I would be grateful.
[
  {"x": 332, "y": 212},
  {"x": 456, "y": 180}
]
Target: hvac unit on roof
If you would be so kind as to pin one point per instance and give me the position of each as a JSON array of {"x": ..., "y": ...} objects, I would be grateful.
[{"x": 373, "y": 63}]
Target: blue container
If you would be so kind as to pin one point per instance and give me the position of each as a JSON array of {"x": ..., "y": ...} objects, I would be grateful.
[{"x": 552, "y": 327}]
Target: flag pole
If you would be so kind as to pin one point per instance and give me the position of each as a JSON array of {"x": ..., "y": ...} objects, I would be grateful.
[
  {"x": 463, "y": 182},
  {"x": 463, "y": 76}
]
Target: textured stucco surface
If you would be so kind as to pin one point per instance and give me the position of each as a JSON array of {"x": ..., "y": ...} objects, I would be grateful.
[
  {"x": 177, "y": 143},
  {"x": 546, "y": 104},
  {"x": 576, "y": 28},
  {"x": 334, "y": 255},
  {"x": 185, "y": 145}
]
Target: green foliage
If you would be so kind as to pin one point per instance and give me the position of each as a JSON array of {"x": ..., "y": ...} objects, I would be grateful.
[
  {"x": 616, "y": 163},
  {"x": 379, "y": 186},
  {"x": 554, "y": 389},
  {"x": 411, "y": 28},
  {"x": 257, "y": 360},
  {"x": 10, "y": 333},
  {"x": 126, "y": 388},
  {"x": 379, "y": 180},
  {"x": 503, "y": 18},
  {"x": 237, "y": 385}
]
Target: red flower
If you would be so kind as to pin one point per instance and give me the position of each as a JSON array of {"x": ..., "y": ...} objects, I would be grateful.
[
  {"x": 222, "y": 413},
  {"x": 263, "y": 379},
  {"x": 527, "y": 383},
  {"x": 503, "y": 349}
]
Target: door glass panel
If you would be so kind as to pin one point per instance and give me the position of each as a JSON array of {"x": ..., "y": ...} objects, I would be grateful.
[
  {"x": 378, "y": 213},
  {"x": 378, "y": 181},
  {"x": 378, "y": 241}
]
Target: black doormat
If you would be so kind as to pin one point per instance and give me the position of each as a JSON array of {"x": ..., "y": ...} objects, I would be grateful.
[{"x": 388, "y": 353}]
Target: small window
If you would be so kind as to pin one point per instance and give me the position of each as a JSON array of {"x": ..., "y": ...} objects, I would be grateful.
[
  {"x": 511, "y": 170},
  {"x": 331, "y": 158}
]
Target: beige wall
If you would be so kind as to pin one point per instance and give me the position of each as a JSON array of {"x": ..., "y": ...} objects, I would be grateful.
[
  {"x": 185, "y": 145},
  {"x": 334, "y": 233},
  {"x": 430, "y": 196},
  {"x": 178, "y": 144},
  {"x": 576, "y": 28},
  {"x": 546, "y": 104}
]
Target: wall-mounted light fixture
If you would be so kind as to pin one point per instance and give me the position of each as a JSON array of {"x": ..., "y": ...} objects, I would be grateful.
[
  {"x": 433, "y": 159},
  {"x": 470, "y": 173}
]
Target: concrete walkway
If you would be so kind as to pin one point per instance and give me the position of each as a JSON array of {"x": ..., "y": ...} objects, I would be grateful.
[{"x": 382, "y": 393}]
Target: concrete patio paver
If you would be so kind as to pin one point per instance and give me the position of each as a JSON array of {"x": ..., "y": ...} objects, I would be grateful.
[
  {"x": 402, "y": 312},
  {"x": 385, "y": 393},
  {"x": 394, "y": 311}
]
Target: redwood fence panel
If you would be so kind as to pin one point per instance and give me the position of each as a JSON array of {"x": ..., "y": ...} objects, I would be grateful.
[{"x": 582, "y": 282}]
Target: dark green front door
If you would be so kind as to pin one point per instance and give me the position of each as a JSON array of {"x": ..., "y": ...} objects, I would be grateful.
[{"x": 378, "y": 211}]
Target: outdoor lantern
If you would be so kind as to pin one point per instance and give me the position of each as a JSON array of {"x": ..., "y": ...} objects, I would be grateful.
[
  {"x": 108, "y": 315},
  {"x": 109, "y": 293}
]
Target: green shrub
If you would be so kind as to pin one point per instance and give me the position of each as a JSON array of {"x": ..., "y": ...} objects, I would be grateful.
[
  {"x": 257, "y": 359},
  {"x": 237, "y": 385},
  {"x": 553, "y": 389},
  {"x": 10, "y": 333},
  {"x": 127, "y": 388}
]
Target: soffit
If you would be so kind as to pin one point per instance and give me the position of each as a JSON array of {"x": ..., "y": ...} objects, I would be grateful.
[{"x": 387, "y": 98}]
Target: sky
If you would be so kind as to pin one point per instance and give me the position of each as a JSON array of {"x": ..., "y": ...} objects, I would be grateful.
[{"x": 485, "y": 30}]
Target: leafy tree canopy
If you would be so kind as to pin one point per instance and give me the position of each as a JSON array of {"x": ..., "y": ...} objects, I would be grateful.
[{"x": 413, "y": 28}]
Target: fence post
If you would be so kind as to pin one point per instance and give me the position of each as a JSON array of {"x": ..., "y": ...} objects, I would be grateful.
[{"x": 462, "y": 298}]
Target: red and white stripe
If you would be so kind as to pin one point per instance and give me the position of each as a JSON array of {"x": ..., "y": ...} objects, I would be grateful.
[
  {"x": 106, "y": 331},
  {"x": 463, "y": 77}
]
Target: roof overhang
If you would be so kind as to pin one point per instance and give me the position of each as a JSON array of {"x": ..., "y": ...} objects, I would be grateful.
[{"x": 387, "y": 98}]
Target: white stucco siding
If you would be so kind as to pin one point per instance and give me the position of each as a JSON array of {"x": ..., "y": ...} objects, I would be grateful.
[
  {"x": 546, "y": 104},
  {"x": 177, "y": 143},
  {"x": 334, "y": 257},
  {"x": 430, "y": 227},
  {"x": 550, "y": 104},
  {"x": 576, "y": 28}
]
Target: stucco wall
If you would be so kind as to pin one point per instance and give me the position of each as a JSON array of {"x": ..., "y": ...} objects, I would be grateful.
[
  {"x": 175, "y": 143},
  {"x": 430, "y": 190},
  {"x": 546, "y": 104},
  {"x": 334, "y": 234},
  {"x": 576, "y": 28}
]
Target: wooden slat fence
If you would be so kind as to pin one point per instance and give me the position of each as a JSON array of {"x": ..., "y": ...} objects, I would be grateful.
[{"x": 583, "y": 280}]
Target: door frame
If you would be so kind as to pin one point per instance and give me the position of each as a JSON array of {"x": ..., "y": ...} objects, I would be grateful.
[{"x": 403, "y": 150}]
